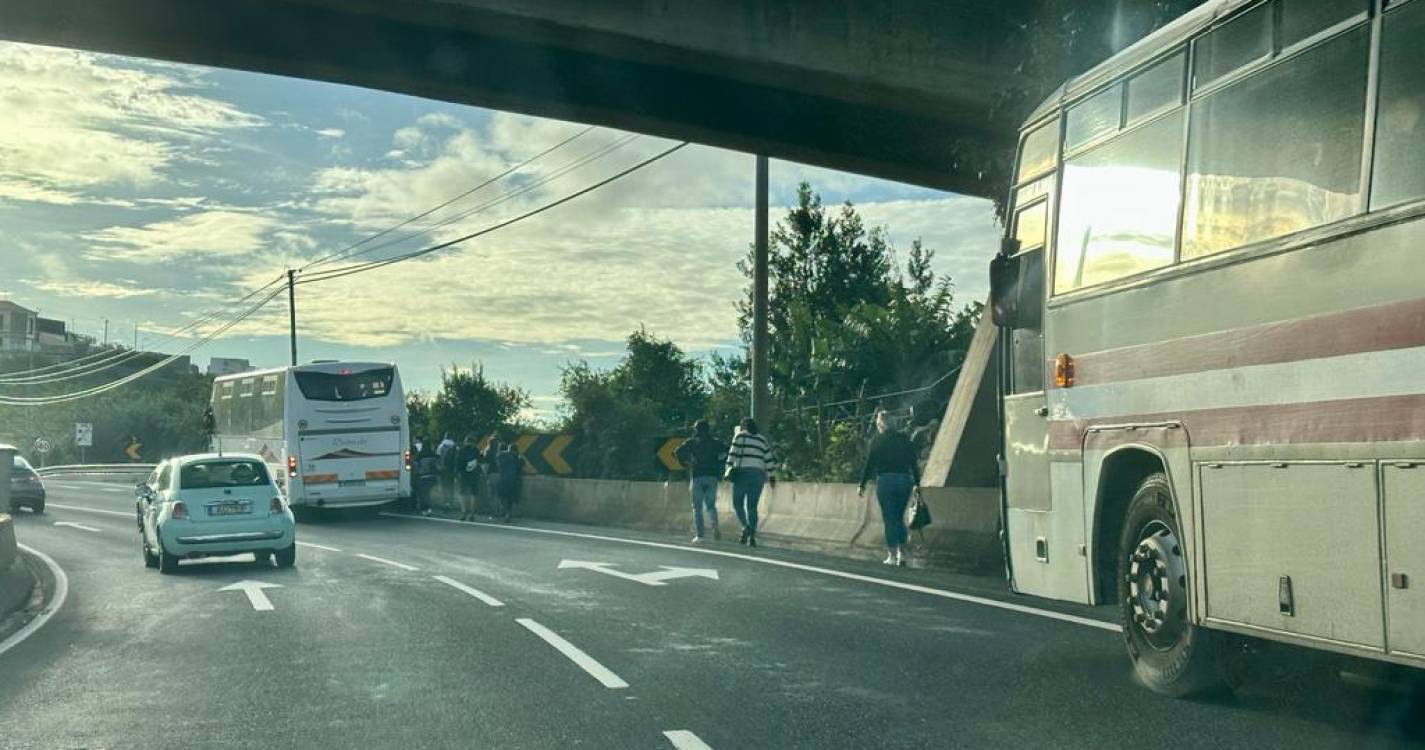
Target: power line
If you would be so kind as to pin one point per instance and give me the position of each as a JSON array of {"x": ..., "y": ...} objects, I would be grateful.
[
  {"x": 120, "y": 357},
  {"x": 96, "y": 390},
  {"x": 546, "y": 179},
  {"x": 471, "y": 191},
  {"x": 372, "y": 265}
]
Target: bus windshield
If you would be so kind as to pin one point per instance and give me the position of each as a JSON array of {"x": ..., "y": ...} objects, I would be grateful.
[{"x": 328, "y": 386}]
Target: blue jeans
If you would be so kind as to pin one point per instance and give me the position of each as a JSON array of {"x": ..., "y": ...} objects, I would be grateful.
[
  {"x": 704, "y": 496},
  {"x": 746, "y": 492},
  {"x": 893, "y": 493}
]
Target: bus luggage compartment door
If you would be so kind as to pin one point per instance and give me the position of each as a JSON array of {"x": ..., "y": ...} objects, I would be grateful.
[
  {"x": 1294, "y": 548},
  {"x": 1405, "y": 556}
]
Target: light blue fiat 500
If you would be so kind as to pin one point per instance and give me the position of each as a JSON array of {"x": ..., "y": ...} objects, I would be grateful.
[{"x": 210, "y": 505}]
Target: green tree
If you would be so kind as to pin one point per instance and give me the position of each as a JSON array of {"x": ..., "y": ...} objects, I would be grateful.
[
  {"x": 846, "y": 325},
  {"x": 468, "y": 403},
  {"x": 620, "y": 414}
]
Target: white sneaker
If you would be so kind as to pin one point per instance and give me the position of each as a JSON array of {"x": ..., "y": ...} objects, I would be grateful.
[
  {"x": 697, "y": 540},
  {"x": 890, "y": 560},
  {"x": 900, "y": 560}
]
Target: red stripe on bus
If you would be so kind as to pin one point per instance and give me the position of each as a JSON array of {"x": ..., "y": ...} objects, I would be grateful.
[
  {"x": 1381, "y": 419},
  {"x": 1397, "y": 325},
  {"x": 383, "y": 474},
  {"x": 319, "y": 478}
]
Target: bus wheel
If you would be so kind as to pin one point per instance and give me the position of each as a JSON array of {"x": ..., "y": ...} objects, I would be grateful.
[{"x": 1170, "y": 655}]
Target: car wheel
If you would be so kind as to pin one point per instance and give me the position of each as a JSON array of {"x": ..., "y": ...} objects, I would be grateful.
[
  {"x": 263, "y": 556},
  {"x": 287, "y": 557},
  {"x": 150, "y": 560},
  {"x": 39, "y": 506},
  {"x": 166, "y": 563},
  {"x": 1170, "y": 655}
]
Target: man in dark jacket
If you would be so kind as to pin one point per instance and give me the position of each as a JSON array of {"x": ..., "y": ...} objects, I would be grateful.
[
  {"x": 427, "y": 476},
  {"x": 509, "y": 467},
  {"x": 703, "y": 455}
]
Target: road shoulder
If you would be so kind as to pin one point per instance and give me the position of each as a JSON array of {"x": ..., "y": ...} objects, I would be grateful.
[{"x": 18, "y": 587}]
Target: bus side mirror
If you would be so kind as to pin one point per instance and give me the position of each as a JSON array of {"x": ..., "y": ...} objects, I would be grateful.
[{"x": 1004, "y": 285}]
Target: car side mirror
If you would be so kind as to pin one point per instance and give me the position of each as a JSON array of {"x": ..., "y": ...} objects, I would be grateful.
[
  {"x": 142, "y": 492},
  {"x": 1004, "y": 285}
]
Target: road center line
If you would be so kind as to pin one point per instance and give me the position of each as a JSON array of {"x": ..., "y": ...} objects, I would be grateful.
[
  {"x": 482, "y": 596},
  {"x": 314, "y": 545},
  {"x": 74, "y": 525},
  {"x": 587, "y": 663},
  {"x": 61, "y": 592},
  {"x": 943, "y": 593},
  {"x": 91, "y": 510},
  {"x": 384, "y": 561},
  {"x": 682, "y": 739}
]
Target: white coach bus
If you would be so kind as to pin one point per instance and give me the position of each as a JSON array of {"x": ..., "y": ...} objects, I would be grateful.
[
  {"x": 1212, "y": 303},
  {"x": 336, "y": 432}
]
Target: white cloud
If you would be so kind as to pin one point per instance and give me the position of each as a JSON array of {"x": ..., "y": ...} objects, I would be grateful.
[
  {"x": 331, "y": 132},
  {"x": 204, "y": 234},
  {"x": 92, "y": 288},
  {"x": 76, "y": 121}
]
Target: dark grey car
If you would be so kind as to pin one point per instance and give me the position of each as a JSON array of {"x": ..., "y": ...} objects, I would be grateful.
[{"x": 27, "y": 489}]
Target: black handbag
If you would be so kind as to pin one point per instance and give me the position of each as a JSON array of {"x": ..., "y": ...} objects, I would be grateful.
[{"x": 920, "y": 516}]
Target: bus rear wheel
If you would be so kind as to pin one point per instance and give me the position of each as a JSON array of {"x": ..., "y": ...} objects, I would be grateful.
[{"x": 1170, "y": 655}]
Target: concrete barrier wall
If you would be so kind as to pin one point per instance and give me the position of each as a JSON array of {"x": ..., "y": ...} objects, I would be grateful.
[{"x": 827, "y": 518}]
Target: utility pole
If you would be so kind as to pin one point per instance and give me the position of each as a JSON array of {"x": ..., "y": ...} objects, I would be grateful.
[
  {"x": 759, "y": 302},
  {"x": 136, "y": 337},
  {"x": 106, "y": 332},
  {"x": 292, "y": 311}
]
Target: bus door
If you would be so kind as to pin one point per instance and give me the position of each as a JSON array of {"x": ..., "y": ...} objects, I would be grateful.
[{"x": 1028, "y": 503}]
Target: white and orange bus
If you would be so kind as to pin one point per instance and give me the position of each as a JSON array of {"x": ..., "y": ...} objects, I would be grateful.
[
  {"x": 1212, "y": 302},
  {"x": 336, "y": 432}
]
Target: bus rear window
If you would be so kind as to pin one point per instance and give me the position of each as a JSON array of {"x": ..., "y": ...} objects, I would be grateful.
[{"x": 355, "y": 386}]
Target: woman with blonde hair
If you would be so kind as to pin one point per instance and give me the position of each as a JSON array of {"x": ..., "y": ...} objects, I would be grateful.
[{"x": 894, "y": 462}]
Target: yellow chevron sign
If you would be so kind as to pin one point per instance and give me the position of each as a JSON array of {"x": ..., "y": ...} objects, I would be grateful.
[
  {"x": 667, "y": 454},
  {"x": 553, "y": 454}
]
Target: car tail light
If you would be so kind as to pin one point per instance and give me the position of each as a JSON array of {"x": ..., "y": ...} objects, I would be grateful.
[
  {"x": 291, "y": 466},
  {"x": 180, "y": 510},
  {"x": 408, "y": 460},
  {"x": 276, "y": 505}
]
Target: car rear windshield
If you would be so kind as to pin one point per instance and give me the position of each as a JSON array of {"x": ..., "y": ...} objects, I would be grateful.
[
  {"x": 211, "y": 474},
  {"x": 21, "y": 464},
  {"x": 345, "y": 386}
]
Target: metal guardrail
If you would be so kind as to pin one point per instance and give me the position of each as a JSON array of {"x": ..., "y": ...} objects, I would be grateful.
[{"x": 95, "y": 470}]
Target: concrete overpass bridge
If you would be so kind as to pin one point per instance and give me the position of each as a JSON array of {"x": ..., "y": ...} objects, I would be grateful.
[{"x": 911, "y": 90}]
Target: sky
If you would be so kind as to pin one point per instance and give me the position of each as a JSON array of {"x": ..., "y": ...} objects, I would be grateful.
[{"x": 152, "y": 194}]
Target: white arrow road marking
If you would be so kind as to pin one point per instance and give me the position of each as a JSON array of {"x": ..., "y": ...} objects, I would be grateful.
[
  {"x": 253, "y": 589},
  {"x": 482, "y": 596},
  {"x": 596, "y": 670},
  {"x": 655, "y": 578},
  {"x": 682, "y": 739},
  {"x": 76, "y": 525}
]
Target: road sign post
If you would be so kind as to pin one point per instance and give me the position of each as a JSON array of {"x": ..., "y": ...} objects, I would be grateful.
[{"x": 41, "y": 447}]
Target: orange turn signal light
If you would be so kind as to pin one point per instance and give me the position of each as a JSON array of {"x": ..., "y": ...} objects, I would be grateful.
[{"x": 1063, "y": 371}]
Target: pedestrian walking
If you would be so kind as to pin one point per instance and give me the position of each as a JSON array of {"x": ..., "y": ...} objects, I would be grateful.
[
  {"x": 894, "y": 463},
  {"x": 472, "y": 474},
  {"x": 448, "y": 452},
  {"x": 704, "y": 456},
  {"x": 492, "y": 475},
  {"x": 751, "y": 463},
  {"x": 427, "y": 476},
  {"x": 509, "y": 467}
]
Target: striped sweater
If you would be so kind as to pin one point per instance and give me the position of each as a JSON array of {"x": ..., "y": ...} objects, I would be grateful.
[{"x": 749, "y": 451}]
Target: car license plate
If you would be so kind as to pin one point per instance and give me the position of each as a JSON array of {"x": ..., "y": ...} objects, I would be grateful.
[
  {"x": 352, "y": 483},
  {"x": 227, "y": 509}
]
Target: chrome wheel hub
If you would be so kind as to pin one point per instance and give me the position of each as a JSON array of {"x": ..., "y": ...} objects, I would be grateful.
[{"x": 1157, "y": 586}]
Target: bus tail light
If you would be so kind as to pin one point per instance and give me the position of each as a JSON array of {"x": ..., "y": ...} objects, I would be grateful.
[
  {"x": 292, "y": 466},
  {"x": 180, "y": 511},
  {"x": 408, "y": 459},
  {"x": 1063, "y": 371}
]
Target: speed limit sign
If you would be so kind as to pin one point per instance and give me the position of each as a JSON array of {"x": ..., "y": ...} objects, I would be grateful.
[{"x": 42, "y": 446}]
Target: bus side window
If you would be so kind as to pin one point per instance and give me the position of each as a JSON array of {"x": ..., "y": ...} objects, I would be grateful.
[{"x": 1399, "y": 172}]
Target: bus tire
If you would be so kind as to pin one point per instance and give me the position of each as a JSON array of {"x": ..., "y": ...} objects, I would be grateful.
[{"x": 1170, "y": 655}]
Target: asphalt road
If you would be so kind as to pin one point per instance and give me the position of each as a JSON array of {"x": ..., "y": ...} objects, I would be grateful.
[{"x": 378, "y": 652}]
